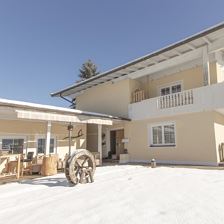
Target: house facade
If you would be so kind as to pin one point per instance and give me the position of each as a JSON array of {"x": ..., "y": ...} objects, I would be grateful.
[{"x": 173, "y": 100}]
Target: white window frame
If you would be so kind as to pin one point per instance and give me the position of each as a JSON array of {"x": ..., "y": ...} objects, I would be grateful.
[
  {"x": 222, "y": 73},
  {"x": 169, "y": 85},
  {"x": 44, "y": 137},
  {"x": 150, "y": 134},
  {"x": 24, "y": 137}
]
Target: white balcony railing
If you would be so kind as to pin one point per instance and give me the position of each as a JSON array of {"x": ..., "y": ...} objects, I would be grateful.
[{"x": 175, "y": 99}]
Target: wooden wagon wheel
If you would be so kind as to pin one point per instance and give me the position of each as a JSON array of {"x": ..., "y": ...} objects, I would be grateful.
[{"x": 80, "y": 167}]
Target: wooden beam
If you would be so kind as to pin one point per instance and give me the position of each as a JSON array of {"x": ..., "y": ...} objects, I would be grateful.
[
  {"x": 206, "y": 40},
  {"x": 177, "y": 52},
  {"x": 191, "y": 46},
  {"x": 153, "y": 60},
  {"x": 18, "y": 167},
  {"x": 216, "y": 46},
  {"x": 206, "y": 69},
  {"x": 163, "y": 56},
  {"x": 100, "y": 141}
]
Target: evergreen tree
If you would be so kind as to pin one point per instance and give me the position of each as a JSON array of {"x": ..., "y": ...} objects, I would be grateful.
[{"x": 88, "y": 70}]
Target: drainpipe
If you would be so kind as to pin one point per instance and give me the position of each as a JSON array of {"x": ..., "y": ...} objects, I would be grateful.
[{"x": 72, "y": 102}]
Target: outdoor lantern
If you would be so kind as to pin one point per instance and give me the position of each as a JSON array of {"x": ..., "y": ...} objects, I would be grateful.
[{"x": 153, "y": 163}]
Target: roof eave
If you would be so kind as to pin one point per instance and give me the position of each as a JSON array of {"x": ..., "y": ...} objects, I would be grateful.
[{"x": 155, "y": 53}]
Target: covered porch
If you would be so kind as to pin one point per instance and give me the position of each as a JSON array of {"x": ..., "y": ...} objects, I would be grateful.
[{"x": 41, "y": 130}]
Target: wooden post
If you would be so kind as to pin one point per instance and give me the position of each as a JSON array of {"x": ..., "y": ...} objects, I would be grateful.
[
  {"x": 206, "y": 68},
  {"x": 18, "y": 167},
  {"x": 48, "y": 139},
  {"x": 70, "y": 128},
  {"x": 100, "y": 141}
]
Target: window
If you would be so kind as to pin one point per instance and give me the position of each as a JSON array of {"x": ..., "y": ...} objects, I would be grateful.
[
  {"x": 165, "y": 91},
  {"x": 174, "y": 88},
  {"x": 41, "y": 145},
  {"x": 163, "y": 135},
  {"x": 15, "y": 145},
  {"x": 157, "y": 135}
]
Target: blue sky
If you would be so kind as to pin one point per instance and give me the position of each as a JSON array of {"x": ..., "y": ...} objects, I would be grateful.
[{"x": 43, "y": 43}]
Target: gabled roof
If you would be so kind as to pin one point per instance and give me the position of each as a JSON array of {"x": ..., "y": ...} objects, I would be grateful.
[{"x": 191, "y": 43}]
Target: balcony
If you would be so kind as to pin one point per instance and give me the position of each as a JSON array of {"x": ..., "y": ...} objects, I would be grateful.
[
  {"x": 194, "y": 100},
  {"x": 176, "y": 99},
  {"x": 138, "y": 95}
]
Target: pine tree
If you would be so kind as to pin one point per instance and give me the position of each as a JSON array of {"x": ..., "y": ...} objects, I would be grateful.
[{"x": 88, "y": 70}]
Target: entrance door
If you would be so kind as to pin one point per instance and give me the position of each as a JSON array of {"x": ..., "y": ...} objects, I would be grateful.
[{"x": 117, "y": 147}]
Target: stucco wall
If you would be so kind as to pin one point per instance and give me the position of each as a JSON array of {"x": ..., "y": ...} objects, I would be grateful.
[
  {"x": 92, "y": 137},
  {"x": 219, "y": 131},
  {"x": 110, "y": 98},
  {"x": 195, "y": 140}
]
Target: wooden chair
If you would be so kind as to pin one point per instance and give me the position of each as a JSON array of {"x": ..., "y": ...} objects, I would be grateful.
[
  {"x": 29, "y": 157},
  {"x": 11, "y": 167},
  {"x": 26, "y": 167}
]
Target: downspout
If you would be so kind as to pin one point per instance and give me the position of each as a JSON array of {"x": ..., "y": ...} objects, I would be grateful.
[{"x": 72, "y": 102}]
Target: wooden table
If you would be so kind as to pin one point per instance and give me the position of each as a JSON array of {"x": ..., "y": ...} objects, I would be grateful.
[{"x": 18, "y": 157}]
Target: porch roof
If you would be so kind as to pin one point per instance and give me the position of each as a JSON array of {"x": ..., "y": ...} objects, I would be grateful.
[
  {"x": 25, "y": 110},
  {"x": 188, "y": 45}
]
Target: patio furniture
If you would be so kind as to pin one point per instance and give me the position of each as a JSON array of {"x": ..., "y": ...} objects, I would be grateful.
[
  {"x": 38, "y": 160},
  {"x": 26, "y": 167},
  {"x": 29, "y": 157},
  {"x": 36, "y": 168},
  {"x": 12, "y": 164},
  {"x": 32, "y": 165},
  {"x": 11, "y": 167}
]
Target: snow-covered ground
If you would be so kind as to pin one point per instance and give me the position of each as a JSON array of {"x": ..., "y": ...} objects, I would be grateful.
[{"x": 120, "y": 194}]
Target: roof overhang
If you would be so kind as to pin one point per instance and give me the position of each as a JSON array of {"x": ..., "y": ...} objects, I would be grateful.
[
  {"x": 44, "y": 116},
  {"x": 212, "y": 37},
  {"x": 10, "y": 109}
]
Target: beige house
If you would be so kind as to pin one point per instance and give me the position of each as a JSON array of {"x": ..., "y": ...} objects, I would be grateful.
[{"x": 174, "y": 98}]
